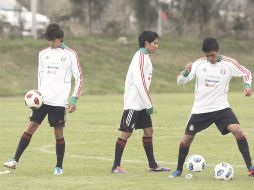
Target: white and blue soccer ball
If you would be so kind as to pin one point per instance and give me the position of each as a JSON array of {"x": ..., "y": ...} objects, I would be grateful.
[
  {"x": 195, "y": 163},
  {"x": 33, "y": 99},
  {"x": 223, "y": 171}
]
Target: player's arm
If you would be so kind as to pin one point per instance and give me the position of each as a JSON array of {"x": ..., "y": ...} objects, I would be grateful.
[
  {"x": 40, "y": 72},
  {"x": 78, "y": 76},
  {"x": 186, "y": 75},
  {"x": 240, "y": 71},
  {"x": 140, "y": 81}
]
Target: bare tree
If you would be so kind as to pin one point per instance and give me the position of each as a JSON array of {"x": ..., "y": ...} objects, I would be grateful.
[
  {"x": 88, "y": 11},
  {"x": 146, "y": 13}
]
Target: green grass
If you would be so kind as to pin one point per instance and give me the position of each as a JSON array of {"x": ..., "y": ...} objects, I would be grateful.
[
  {"x": 105, "y": 62},
  {"x": 90, "y": 136}
]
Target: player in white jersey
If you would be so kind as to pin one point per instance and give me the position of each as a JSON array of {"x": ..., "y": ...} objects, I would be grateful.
[
  {"x": 213, "y": 74},
  {"x": 57, "y": 65},
  {"x": 137, "y": 102}
]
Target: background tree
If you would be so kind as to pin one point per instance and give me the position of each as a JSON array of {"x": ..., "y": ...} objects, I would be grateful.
[
  {"x": 146, "y": 12},
  {"x": 88, "y": 12}
]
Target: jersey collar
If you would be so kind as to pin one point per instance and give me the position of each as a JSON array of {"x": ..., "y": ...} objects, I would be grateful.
[
  {"x": 143, "y": 50},
  {"x": 219, "y": 58},
  {"x": 62, "y": 46}
]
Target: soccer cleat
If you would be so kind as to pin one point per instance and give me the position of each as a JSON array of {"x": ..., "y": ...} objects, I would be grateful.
[
  {"x": 118, "y": 170},
  {"x": 251, "y": 171},
  {"x": 159, "y": 169},
  {"x": 11, "y": 164},
  {"x": 176, "y": 173},
  {"x": 58, "y": 171}
]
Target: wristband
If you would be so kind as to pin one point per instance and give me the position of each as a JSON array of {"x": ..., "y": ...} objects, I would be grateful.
[
  {"x": 73, "y": 100},
  {"x": 185, "y": 73},
  {"x": 246, "y": 85}
]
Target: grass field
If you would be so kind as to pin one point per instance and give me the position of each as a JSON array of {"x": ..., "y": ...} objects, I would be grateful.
[{"x": 90, "y": 136}]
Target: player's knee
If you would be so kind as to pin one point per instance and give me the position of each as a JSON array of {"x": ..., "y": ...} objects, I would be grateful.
[
  {"x": 235, "y": 130},
  {"x": 32, "y": 127},
  {"x": 187, "y": 140},
  {"x": 148, "y": 132},
  {"x": 125, "y": 135}
]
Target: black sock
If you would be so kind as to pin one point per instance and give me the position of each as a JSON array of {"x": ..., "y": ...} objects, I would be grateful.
[
  {"x": 183, "y": 152},
  {"x": 23, "y": 143},
  {"x": 148, "y": 146},
  {"x": 244, "y": 149},
  {"x": 120, "y": 144},
  {"x": 60, "y": 149}
]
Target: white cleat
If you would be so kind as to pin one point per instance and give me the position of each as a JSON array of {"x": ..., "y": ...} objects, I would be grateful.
[
  {"x": 58, "y": 171},
  {"x": 11, "y": 164}
]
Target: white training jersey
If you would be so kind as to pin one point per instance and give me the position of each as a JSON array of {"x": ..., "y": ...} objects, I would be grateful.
[
  {"x": 56, "y": 68},
  {"x": 212, "y": 82},
  {"x": 137, "y": 82}
]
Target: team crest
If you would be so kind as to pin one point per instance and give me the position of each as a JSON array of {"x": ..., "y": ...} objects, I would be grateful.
[
  {"x": 223, "y": 71},
  {"x": 63, "y": 58}
]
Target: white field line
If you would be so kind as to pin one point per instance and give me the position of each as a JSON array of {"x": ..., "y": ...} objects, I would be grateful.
[
  {"x": 46, "y": 150},
  {"x": 5, "y": 172}
]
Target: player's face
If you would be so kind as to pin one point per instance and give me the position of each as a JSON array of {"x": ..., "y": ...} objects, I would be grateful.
[
  {"x": 151, "y": 47},
  {"x": 212, "y": 56},
  {"x": 55, "y": 43}
]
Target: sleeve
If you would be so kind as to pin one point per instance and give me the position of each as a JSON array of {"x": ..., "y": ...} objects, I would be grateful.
[
  {"x": 240, "y": 71},
  {"x": 184, "y": 78},
  {"x": 40, "y": 72},
  {"x": 77, "y": 74},
  {"x": 140, "y": 79}
]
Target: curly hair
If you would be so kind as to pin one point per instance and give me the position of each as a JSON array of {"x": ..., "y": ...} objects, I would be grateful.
[{"x": 53, "y": 32}]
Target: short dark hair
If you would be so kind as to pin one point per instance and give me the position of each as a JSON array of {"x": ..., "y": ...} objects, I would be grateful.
[
  {"x": 53, "y": 32},
  {"x": 210, "y": 44},
  {"x": 148, "y": 36}
]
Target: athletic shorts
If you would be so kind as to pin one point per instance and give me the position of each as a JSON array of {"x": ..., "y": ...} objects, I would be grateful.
[
  {"x": 56, "y": 115},
  {"x": 221, "y": 118},
  {"x": 133, "y": 119}
]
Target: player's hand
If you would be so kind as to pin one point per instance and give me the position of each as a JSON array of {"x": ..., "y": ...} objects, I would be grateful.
[
  {"x": 149, "y": 111},
  {"x": 188, "y": 67},
  {"x": 247, "y": 92},
  {"x": 71, "y": 108}
]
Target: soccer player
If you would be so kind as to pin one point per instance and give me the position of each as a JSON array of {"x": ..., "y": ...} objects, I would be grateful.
[
  {"x": 57, "y": 65},
  {"x": 213, "y": 73},
  {"x": 137, "y": 102}
]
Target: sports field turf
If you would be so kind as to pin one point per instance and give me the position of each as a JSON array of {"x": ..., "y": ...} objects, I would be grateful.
[{"x": 90, "y": 136}]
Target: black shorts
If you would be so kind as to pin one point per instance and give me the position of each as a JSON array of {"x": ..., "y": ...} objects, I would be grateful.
[
  {"x": 56, "y": 115},
  {"x": 221, "y": 118},
  {"x": 133, "y": 119}
]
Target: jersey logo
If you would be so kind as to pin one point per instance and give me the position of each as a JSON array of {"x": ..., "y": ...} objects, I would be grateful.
[{"x": 191, "y": 127}]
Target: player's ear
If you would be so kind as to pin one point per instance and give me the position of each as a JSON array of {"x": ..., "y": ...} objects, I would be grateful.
[{"x": 146, "y": 43}]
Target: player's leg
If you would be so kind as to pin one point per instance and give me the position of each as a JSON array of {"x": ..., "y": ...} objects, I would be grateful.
[
  {"x": 56, "y": 118},
  {"x": 126, "y": 127},
  {"x": 60, "y": 149},
  {"x": 182, "y": 154},
  {"x": 119, "y": 148},
  {"x": 195, "y": 124},
  {"x": 148, "y": 146},
  {"x": 35, "y": 120},
  {"x": 242, "y": 145},
  {"x": 228, "y": 122}
]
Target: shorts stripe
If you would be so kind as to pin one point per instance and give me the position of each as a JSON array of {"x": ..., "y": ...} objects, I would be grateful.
[{"x": 128, "y": 120}]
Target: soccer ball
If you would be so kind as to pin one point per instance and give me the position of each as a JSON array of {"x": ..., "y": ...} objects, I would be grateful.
[
  {"x": 223, "y": 171},
  {"x": 33, "y": 99},
  {"x": 195, "y": 163}
]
